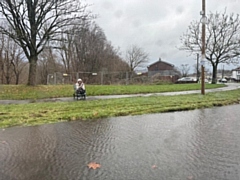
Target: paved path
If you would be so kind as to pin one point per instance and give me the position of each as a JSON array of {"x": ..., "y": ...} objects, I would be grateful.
[{"x": 230, "y": 86}]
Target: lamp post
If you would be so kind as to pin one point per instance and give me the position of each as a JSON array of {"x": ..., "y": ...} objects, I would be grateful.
[{"x": 203, "y": 21}]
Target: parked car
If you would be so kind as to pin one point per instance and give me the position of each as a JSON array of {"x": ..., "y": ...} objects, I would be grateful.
[
  {"x": 223, "y": 80},
  {"x": 186, "y": 79}
]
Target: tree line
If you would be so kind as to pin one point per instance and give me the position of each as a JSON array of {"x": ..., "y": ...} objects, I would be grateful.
[
  {"x": 40, "y": 37},
  {"x": 80, "y": 50},
  {"x": 43, "y": 37}
]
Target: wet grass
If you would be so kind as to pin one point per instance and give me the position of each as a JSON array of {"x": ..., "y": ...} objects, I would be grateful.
[
  {"x": 20, "y": 92},
  {"x": 49, "y": 112}
]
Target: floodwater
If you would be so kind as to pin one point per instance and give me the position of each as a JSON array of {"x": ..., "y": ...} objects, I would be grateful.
[{"x": 193, "y": 145}]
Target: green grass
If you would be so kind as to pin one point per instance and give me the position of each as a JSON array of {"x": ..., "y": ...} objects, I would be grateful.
[
  {"x": 20, "y": 92},
  {"x": 53, "y": 112}
]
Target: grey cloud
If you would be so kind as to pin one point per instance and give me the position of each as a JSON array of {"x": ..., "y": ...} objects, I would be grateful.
[
  {"x": 159, "y": 42},
  {"x": 180, "y": 9},
  {"x": 118, "y": 13},
  {"x": 107, "y": 5},
  {"x": 154, "y": 25}
]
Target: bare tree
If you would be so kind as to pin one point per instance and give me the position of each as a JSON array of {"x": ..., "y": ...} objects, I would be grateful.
[
  {"x": 7, "y": 72},
  {"x": 87, "y": 50},
  {"x": 36, "y": 22},
  {"x": 91, "y": 48},
  {"x": 113, "y": 61},
  {"x": 136, "y": 57},
  {"x": 48, "y": 64},
  {"x": 2, "y": 59},
  {"x": 82, "y": 48},
  {"x": 18, "y": 61},
  {"x": 67, "y": 51},
  {"x": 19, "y": 64},
  {"x": 184, "y": 69},
  {"x": 222, "y": 40},
  {"x": 11, "y": 60}
]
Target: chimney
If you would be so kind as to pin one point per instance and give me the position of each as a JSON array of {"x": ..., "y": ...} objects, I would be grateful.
[{"x": 159, "y": 59}]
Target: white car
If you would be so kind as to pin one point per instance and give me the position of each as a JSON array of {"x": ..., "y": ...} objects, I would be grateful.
[
  {"x": 186, "y": 79},
  {"x": 223, "y": 80}
]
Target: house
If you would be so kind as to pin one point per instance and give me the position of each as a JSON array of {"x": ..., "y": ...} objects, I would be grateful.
[
  {"x": 164, "y": 70},
  {"x": 236, "y": 74}
]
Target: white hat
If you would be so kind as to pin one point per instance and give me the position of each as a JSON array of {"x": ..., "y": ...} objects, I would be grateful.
[{"x": 79, "y": 80}]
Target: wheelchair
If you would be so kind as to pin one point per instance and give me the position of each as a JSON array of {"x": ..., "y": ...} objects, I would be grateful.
[{"x": 79, "y": 94}]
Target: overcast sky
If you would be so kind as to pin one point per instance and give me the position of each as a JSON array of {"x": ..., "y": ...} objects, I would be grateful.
[{"x": 154, "y": 25}]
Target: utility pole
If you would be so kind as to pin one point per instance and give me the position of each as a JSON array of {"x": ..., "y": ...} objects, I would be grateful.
[
  {"x": 197, "y": 67},
  {"x": 222, "y": 71},
  {"x": 203, "y": 13}
]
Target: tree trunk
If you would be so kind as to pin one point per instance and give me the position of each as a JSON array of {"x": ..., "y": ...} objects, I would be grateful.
[
  {"x": 214, "y": 74},
  {"x": 32, "y": 76},
  {"x": 17, "y": 78}
]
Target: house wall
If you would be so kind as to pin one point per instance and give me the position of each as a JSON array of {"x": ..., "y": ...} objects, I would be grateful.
[
  {"x": 169, "y": 78},
  {"x": 164, "y": 71},
  {"x": 236, "y": 74}
]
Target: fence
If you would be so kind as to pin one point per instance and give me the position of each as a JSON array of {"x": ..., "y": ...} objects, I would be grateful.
[
  {"x": 100, "y": 78},
  {"x": 59, "y": 78},
  {"x": 107, "y": 78}
]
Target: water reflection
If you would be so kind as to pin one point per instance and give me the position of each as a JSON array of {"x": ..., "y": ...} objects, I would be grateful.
[{"x": 201, "y": 144}]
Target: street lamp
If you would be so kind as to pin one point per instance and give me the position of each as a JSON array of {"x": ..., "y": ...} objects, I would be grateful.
[{"x": 203, "y": 21}]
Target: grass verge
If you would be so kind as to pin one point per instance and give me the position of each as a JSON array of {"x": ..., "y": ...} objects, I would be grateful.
[
  {"x": 42, "y": 113},
  {"x": 20, "y": 92}
]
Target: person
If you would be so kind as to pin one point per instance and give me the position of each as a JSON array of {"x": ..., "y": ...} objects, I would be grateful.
[{"x": 80, "y": 86}]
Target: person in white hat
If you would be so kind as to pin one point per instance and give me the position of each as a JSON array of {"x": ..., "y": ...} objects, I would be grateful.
[{"x": 80, "y": 86}]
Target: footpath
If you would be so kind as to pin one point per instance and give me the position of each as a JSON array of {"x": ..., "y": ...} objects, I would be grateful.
[{"x": 230, "y": 86}]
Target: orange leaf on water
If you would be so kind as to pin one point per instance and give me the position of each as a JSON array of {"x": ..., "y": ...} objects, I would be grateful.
[
  {"x": 94, "y": 165},
  {"x": 154, "y": 166},
  {"x": 4, "y": 142},
  {"x": 190, "y": 177}
]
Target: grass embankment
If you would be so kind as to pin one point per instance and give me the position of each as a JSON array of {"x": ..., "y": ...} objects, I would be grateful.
[
  {"x": 20, "y": 92},
  {"x": 42, "y": 113}
]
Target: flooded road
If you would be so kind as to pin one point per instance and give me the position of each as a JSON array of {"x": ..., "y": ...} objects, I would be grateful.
[{"x": 200, "y": 145}]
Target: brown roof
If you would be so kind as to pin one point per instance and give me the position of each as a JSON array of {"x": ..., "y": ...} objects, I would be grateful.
[{"x": 160, "y": 61}]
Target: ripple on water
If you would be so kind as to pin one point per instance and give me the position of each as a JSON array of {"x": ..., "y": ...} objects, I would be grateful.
[{"x": 201, "y": 144}]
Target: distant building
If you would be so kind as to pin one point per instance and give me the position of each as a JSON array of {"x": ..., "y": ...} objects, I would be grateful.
[
  {"x": 236, "y": 74},
  {"x": 164, "y": 70}
]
